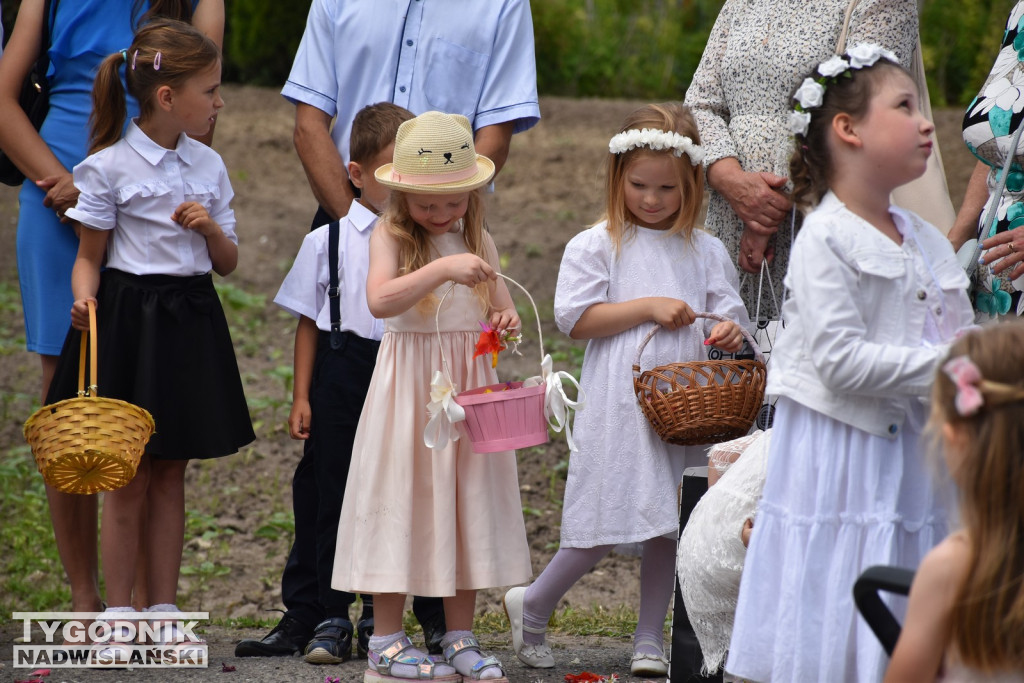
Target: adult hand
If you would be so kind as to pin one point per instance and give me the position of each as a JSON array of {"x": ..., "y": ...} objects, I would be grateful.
[
  {"x": 755, "y": 248},
  {"x": 756, "y": 198},
  {"x": 1005, "y": 253},
  {"x": 61, "y": 193}
]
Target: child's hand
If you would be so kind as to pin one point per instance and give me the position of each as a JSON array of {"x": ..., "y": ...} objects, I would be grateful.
[
  {"x": 748, "y": 528},
  {"x": 505, "y": 319},
  {"x": 469, "y": 269},
  {"x": 299, "y": 419},
  {"x": 727, "y": 336},
  {"x": 193, "y": 216},
  {"x": 80, "y": 314},
  {"x": 671, "y": 313}
]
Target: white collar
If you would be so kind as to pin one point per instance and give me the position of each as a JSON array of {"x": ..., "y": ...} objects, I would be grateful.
[
  {"x": 361, "y": 217},
  {"x": 152, "y": 152}
]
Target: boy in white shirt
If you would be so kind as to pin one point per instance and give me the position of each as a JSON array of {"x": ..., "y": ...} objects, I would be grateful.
[{"x": 333, "y": 366}]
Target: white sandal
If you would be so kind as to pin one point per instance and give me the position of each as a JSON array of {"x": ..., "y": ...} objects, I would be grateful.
[
  {"x": 536, "y": 656},
  {"x": 643, "y": 664}
]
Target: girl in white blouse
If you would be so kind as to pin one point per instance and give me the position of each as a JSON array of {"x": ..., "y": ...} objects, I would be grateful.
[
  {"x": 876, "y": 294},
  {"x": 155, "y": 203},
  {"x": 645, "y": 263}
]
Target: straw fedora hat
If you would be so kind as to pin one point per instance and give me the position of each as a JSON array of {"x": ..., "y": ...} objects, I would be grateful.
[{"x": 434, "y": 154}]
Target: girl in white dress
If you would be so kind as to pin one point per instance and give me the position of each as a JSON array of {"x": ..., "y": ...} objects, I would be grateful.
[
  {"x": 876, "y": 294},
  {"x": 965, "y": 618},
  {"x": 436, "y": 521},
  {"x": 644, "y": 263}
]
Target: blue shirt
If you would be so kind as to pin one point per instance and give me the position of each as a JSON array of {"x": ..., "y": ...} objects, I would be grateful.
[{"x": 471, "y": 58}]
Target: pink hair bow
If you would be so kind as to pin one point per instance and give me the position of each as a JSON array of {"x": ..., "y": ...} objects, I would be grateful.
[{"x": 966, "y": 376}]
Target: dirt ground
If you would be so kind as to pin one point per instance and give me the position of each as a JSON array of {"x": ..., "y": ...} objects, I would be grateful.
[{"x": 548, "y": 191}]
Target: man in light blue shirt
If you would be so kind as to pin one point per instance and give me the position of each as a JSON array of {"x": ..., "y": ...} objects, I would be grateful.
[{"x": 470, "y": 58}]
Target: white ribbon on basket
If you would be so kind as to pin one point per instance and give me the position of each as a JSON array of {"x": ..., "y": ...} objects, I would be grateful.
[
  {"x": 444, "y": 413},
  {"x": 556, "y": 403}
]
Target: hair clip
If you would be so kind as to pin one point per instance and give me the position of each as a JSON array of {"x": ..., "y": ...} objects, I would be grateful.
[
  {"x": 966, "y": 376},
  {"x": 135, "y": 57},
  {"x": 156, "y": 62}
]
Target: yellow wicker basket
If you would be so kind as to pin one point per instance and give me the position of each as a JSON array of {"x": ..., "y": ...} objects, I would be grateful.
[
  {"x": 700, "y": 402},
  {"x": 88, "y": 443}
]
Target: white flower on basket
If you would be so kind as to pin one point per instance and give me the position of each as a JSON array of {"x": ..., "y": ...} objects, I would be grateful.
[
  {"x": 799, "y": 122},
  {"x": 834, "y": 66},
  {"x": 810, "y": 94},
  {"x": 866, "y": 54}
]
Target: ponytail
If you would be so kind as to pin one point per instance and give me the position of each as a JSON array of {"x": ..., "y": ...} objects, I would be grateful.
[{"x": 108, "y": 104}]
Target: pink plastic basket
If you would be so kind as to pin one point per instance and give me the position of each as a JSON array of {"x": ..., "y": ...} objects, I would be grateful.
[
  {"x": 511, "y": 416},
  {"x": 506, "y": 416}
]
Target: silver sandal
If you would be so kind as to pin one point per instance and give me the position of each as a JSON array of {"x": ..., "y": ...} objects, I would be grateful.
[
  {"x": 380, "y": 663},
  {"x": 471, "y": 644}
]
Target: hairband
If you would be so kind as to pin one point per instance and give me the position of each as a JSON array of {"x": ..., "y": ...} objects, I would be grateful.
[
  {"x": 124, "y": 56},
  {"x": 656, "y": 139},
  {"x": 811, "y": 92}
]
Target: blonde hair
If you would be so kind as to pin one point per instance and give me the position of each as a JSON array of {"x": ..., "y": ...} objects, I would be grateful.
[
  {"x": 987, "y": 618},
  {"x": 668, "y": 117},
  {"x": 414, "y": 249},
  {"x": 163, "y": 52}
]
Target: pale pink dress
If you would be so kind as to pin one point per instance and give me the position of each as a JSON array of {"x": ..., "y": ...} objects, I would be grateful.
[{"x": 422, "y": 521}]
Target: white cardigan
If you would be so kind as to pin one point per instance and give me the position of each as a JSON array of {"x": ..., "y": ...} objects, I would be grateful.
[{"x": 853, "y": 346}]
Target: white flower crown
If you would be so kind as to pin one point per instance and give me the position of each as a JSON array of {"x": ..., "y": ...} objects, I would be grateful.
[
  {"x": 811, "y": 92},
  {"x": 653, "y": 138}
]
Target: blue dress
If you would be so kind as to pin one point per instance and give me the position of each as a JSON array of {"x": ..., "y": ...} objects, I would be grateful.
[{"x": 84, "y": 33}]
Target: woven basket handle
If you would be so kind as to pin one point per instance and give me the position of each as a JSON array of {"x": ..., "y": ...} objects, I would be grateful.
[
  {"x": 88, "y": 339},
  {"x": 758, "y": 356},
  {"x": 437, "y": 324}
]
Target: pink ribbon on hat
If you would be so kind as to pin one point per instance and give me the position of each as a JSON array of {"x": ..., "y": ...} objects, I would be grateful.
[
  {"x": 966, "y": 376},
  {"x": 433, "y": 178}
]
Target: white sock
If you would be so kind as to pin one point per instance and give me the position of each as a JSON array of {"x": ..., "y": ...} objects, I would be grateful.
[
  {"x": 467, "y": 659},
  {"x": 380, "y": 643}
]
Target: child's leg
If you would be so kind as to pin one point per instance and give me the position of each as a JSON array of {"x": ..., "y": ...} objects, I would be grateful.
[
  {"x": 166, "y": 516},
  {"x": 657, "y": 583},
  {"x": 566, "y": 568},
  {"x": 392, "y": 645},
  {"x": 119, "y": 536},
  {"x": 74, "y": 527},
  {"x": 461, "y": 648}
]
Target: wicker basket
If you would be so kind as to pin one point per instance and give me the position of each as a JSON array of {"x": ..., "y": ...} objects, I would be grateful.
[
  {"x": 501, "y": 417},
  {"x": 88, "y": 443},
  {"x": 700, "y": 402}
]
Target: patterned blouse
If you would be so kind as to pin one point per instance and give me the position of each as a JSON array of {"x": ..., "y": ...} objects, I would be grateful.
[
  {"x": 989, "y": 124},
  {"x": 756, "y": 55}
]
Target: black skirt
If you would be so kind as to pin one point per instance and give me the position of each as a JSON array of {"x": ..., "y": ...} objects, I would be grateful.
[{"x": 164, "y": 345}]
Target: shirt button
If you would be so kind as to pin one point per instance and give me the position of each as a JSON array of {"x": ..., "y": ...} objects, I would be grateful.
[
  {"x": 401, "y": 89},
  {"x": 409, "y": 43},
  {"x": 922, "y": 295},
  {"x": 893, "y": 429},
  {"x": 938, "y": 310}
]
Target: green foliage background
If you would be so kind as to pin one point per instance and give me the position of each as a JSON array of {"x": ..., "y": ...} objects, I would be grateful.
[{"x": 645, "y": 49}]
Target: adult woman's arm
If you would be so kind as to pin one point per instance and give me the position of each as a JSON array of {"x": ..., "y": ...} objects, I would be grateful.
[
  {"x": 18, "y": 138},
  {"x": 209, "y": 18},
  {"x": 754, "y": 197},
  {"x": 975, "y": 198}
]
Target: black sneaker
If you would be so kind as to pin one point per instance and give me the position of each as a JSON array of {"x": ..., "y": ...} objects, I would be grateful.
[
  {"x": 433, "y": 631},
  {"x": 284, "y": 640},
  {"x": 331, "y": 642},
  {"x": 364, "y": 629}
]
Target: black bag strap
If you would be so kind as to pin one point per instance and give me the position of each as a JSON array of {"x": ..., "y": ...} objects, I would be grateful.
[
  {"x": 333, "y": 292},
  {"x": 42, "y": 64}
]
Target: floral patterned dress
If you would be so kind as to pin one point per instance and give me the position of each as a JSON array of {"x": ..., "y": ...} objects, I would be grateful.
[
  {"x": 989, "y": 124},
  {"x": 756, "y": 55}
]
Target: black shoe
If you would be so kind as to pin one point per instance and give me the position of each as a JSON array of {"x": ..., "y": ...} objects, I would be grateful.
[
  {"x": 433, "y": 631},
  {"x": 331, "y": 642},
  {"x": 286, "y": 639},
  {"x": 364, "y": 629}
]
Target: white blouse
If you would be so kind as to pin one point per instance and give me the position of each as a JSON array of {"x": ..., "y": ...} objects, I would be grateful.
[{"x": 134, "y": 186}]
